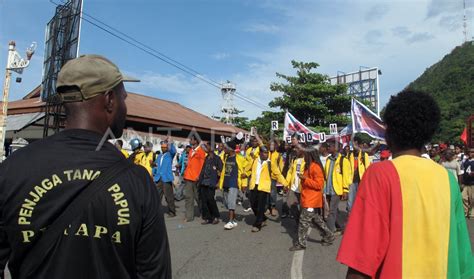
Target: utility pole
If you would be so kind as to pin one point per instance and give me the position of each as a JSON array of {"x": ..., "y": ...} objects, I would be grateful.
[{"x": 16, "y": 64}]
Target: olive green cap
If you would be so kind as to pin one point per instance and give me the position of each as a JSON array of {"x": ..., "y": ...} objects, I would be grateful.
[{"x": 88, "y": 76}]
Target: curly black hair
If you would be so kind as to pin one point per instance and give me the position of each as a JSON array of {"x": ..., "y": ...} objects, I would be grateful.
[{"x": 411, "y": 118}]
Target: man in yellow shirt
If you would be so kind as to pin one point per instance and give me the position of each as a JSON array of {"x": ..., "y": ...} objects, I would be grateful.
[
  {"x": 338, "y": 178},
  {"x": 277, "y": 167},
  {"x": 144, "y": 158},
  {"x": 360, "y": 161},
  {"x": 119, "y": 145}
]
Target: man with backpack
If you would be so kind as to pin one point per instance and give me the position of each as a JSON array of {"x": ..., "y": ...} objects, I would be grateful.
[
  {"x": 338, "y": 178},
  {"x": 359, "y": 161}
]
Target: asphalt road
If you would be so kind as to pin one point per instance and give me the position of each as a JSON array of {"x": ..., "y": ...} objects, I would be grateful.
[{"x": 209, "y": 251}]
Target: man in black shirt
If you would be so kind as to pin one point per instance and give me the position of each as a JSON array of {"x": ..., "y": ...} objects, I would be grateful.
[{"x": 121, "y": 233}]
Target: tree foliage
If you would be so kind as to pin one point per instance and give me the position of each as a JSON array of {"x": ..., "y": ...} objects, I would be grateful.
[
  {"x": 450, "y": 82},
  {"x": 311, "y": 98}
]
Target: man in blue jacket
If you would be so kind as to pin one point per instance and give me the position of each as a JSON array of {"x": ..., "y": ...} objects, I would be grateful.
[{"x": 163, "y": 174}]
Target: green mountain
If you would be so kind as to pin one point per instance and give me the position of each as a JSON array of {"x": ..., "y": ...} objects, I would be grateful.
[{"x": 451, "y": 83}]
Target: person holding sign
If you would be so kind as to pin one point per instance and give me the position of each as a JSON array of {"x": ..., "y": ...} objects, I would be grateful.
[
  {"x": 294, "y": 183},
  {"x": 360, "y": 161},
  {"x": 277, "y": 167},
  {"x": 339, "y": 177}
]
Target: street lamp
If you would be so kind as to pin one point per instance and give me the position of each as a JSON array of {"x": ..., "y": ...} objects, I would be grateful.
[{"x": 16, "y": 64}]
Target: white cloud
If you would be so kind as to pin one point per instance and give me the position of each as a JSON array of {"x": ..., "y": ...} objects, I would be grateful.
[
  {"x": 262, "y": 28},
  {"x": 376, "y": 12},
  {"x": 220, "y": 55},
  {"x": 374, "y": 37},
  {"x": 343, "y": 41},
  {"x": 419, "y": 37},
  {"x": 438, "y": 7},
  {"x": 401, "y": 31},
  {"x": 186, "y": 90}
]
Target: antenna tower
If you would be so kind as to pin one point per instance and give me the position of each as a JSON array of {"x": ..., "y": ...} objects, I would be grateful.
[
  {"x": 464, "y": 24},
  {"x": 228, "y": 109}
]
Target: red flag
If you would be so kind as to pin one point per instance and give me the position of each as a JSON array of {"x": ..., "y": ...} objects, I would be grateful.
[{"x": 464, "y": 136}]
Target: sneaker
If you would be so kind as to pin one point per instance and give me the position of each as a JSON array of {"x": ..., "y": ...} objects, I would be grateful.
[
  {"x": 247, "y": 209},
  {"x": 234, "y": 224},
  {"x": 229, "y": 225},
  {"x": 215, "y": 221},
  {"x": 297, "y": 247},
  {"x": 255, "y": 229}
]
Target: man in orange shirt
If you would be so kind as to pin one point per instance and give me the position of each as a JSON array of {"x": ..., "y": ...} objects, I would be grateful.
[{"x": 196, "y": 158}]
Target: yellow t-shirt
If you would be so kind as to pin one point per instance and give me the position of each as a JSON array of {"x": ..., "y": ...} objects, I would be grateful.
[
  {"x": 144, "y": 160},
  {"x": 125, "y": 153}
]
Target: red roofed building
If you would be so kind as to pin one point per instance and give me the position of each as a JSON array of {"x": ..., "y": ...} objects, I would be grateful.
[{"x": 149, "y": 118}]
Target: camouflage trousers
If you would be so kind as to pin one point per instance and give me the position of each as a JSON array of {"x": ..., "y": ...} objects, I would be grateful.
[{"x": 308, "y": 214}]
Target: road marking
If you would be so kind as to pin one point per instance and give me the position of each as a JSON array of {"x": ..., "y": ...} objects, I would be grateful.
[{"x": 297, "y": 263}]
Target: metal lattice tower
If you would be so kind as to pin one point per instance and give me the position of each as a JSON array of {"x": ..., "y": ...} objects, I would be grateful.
[
  {"x": 228, "y": 109},
  {"x": 464, "y": 24},
  {"x": 61, "y": 45}
]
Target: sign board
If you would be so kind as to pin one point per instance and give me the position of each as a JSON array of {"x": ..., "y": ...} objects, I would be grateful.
[
  {"x": 253, "y": 131},
  {"x": 274, "y": 125},
  {"x": 247, "y": 137},
  {"x": 333, "y": 129}
]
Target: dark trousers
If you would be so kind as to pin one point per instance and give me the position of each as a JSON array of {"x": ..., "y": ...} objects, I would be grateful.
[
  {"x": 208, "y": 203},
  {"x": 166, "y": 189},
  {"x": 191, "y": 193},
  {"x": 333, "y": 212},
  {"x": 258, "y": 202},
  {"x": 272, "y": 198}
]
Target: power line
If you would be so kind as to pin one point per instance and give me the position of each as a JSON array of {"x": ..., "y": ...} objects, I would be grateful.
[{"x": 159, "y": 55}]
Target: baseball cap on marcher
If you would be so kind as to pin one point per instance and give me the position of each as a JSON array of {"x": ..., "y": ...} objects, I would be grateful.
[{"x": 88, "y": 76}]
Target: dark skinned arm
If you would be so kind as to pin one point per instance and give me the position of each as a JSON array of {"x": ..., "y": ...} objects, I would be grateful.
[{"x": 354, "y": 274}]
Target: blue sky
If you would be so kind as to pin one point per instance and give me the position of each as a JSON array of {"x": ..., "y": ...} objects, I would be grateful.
[{"x": 247, "y": 42}]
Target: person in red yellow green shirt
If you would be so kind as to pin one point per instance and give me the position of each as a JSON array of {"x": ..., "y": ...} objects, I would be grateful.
[
  {"x": 196, "y": 158},
  {"x": 407, "y": 220},
  {"x": 338, "y": 178},
  {"x": 360, "y": 161},
  {"x": 312, "y": 184}
]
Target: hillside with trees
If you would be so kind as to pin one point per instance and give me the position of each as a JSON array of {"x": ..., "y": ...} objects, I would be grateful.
[{"x": 451, "y": 83}]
